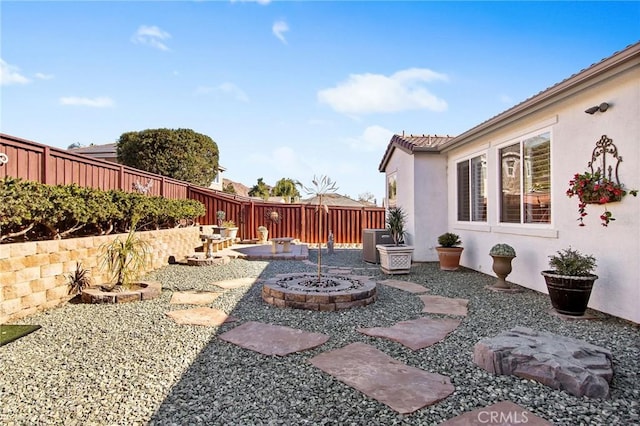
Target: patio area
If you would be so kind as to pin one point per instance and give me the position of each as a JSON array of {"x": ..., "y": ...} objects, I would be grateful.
[{"x": 133, "y": 364}]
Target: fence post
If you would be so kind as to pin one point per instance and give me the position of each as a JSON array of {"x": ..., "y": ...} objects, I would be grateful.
[
  {"x": 121, "y": 178},
  {"x": 46, "y": 169},
  {"x": 303, "y": 223}
]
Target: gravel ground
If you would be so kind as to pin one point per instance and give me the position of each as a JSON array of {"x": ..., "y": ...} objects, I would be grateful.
[{"x": 130, "y": 364}]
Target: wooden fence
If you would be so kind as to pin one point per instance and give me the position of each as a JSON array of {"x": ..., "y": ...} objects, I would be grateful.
[{"x": 33, "y": 161}]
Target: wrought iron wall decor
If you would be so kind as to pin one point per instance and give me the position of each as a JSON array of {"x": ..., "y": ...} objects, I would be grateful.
[
  {"x": 4, "y": 158},
  {"x": 605, "y": 147}
]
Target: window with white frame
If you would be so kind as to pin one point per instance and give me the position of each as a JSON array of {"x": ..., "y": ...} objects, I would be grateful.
[
  {"x": 471, "y": 177},
  {"x": 525, "y": 180}
]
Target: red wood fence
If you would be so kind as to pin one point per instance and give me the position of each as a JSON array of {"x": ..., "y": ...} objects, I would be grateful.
[{"x": 33, "y": 161}]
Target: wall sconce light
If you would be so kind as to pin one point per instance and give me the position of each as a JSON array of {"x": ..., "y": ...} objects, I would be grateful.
[{"x": 602, "y": 108}]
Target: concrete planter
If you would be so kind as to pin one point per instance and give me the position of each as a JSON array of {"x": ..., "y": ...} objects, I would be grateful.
[{"x": 395, "y": 260}]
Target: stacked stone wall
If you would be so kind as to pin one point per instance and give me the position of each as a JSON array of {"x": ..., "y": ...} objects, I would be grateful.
[{"x": 33, "y": 275}]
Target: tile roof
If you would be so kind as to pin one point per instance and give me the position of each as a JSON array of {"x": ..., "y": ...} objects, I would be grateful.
[{"x": 413, "y": 143}]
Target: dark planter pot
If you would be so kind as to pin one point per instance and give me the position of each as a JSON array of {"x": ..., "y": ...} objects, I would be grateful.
[{"x": 569, "y": 295}]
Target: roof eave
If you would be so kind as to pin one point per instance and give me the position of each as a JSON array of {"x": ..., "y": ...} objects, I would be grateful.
[{"x": 551, "y": 95}]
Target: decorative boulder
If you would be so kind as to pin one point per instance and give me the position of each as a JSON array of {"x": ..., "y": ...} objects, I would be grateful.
[{"x": 572, "y": 365}]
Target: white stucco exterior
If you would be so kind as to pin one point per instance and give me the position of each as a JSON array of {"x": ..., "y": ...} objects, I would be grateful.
[{"x": 561, "y": 111}]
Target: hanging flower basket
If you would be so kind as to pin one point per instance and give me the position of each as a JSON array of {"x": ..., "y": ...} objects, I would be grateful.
[{"x": 593, "y": 188}]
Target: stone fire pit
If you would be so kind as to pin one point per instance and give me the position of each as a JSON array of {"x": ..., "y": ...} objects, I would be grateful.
[{"x": 331, "y": 293}]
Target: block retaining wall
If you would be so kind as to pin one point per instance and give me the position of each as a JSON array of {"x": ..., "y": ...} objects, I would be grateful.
[{"x": 33, "y": 275}]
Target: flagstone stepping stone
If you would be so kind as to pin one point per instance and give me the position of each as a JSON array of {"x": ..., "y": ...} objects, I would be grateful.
[
  {"x": 235, "y": 283},
  {"x": 193, "y": 297},
  {"x": 269, "y": 339},
  {"x": 200, "y": 316},
  {"x": 340, "y": 271},
  {"x": 417, "y": 333},
  {"x": 572, "y": 365},
  {"x": 403, "y": 388},
  {"x": 405, "y": 285},
  {"x": 501, "y": 413},
  {"x": 444, "y": 305}
]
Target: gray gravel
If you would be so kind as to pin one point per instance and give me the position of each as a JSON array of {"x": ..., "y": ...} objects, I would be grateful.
[{"x": 129, "y": 364}]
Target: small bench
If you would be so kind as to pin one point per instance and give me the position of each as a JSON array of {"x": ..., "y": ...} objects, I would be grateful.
[
  {"x": 213, "y": 243},
  {"x": 286, "y": 244}
]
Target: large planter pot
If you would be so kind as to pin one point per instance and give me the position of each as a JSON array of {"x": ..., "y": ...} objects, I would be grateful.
[
  {"x": 502, "y": 268},
  {"x": 449, "y": 257},
  {"x": 263, "y": 236},
  {"x": 231, "y": 233},
  {"x": 569, "y": 295},
  {"x": 395, "y": 260}
]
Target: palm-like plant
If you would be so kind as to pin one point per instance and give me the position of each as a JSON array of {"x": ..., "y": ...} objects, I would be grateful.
[
  {"x": 125, "y": 259},
  {"x": 79, "y": 279},
  {"x": 320, "y": 187},
  {"x": 396, "y": 221}
]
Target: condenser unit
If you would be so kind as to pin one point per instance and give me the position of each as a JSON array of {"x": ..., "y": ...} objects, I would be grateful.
[{"x": 371, "y": 237}]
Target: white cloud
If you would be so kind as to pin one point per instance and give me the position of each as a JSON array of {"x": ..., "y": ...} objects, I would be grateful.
[
  {"x": 373, "y": 138},
  {"x": 42, "y": 76},
  {"x": 151, "y": 36},
  {"x": 505, "y": 99},
  {"x": 377, "y": 93},
  {"x": 225, "y": 88},
  {"x": 10, "y": 74},
  {"x": 279, "y": 28},
  {"x": 99, "y": 102},
  {"x": 262, "y": 2}
]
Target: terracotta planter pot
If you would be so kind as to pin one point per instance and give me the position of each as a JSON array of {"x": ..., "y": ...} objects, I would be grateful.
[
  {"x": 569, "y": 295},
  {"x": 449, "y": 257}
]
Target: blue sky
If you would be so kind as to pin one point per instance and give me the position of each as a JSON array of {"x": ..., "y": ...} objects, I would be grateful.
[{"x": 290, "y": 89}]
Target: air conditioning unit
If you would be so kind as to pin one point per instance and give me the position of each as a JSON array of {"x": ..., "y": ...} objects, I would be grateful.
[{"x": 371, "y": 237}]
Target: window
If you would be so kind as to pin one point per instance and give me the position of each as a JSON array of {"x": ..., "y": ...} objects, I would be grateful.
[
  {"x": 525, "y": 185},
  {"x": 392, "y": 190},
  {"x": 472, "y": 193}
]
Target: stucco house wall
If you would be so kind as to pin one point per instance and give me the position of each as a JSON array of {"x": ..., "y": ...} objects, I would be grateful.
[
  {"x": 560, "y": 110},
  {"x": 573, "y": 137}
]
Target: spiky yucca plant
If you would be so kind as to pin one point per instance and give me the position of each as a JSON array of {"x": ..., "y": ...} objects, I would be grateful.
[
  {"x": 125, "y": 259},
  {"x": 79, "y": 279}
]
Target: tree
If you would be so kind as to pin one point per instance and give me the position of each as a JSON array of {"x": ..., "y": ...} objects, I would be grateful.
[
  {"x": 367, "y": 197},
  {"x": 260, "y": 189},
  {"x": 285, "y": 188},
  {"x": 177, "y": 153},
  {"x": 229, "y": 188}
]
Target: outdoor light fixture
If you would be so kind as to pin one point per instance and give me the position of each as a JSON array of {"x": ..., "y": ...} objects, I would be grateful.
[{"x": 602, "y": 108}]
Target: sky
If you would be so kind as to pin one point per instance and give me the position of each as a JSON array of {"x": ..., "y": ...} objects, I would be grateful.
[{"x": 290, "y": 89}]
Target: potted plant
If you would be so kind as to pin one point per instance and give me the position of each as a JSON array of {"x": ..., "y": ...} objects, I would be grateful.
[
  {"x": 449, "y": 251},
  {"x": 502, "y": 255},
  {"x": 594, "y": 188},
  {"x": 230, "y": 229},
  {"x": 570, "y": 281},
  {"x": 220, "y": 215},
  {"x": 395, "y": 258},
  {"x": 263, "y": 234}
]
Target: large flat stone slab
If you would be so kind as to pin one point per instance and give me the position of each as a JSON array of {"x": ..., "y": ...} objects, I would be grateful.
[
  {"x": 444, "y": 305},
  {"x": 200, "y": 316},
  {"x": 269, "y": 339},
  {"x": 403, "y": 388},
  {"x": 193, "y": 297},
  {"x": 572, "y": 365},
  {"x": 502, "y": 413},
  {"x": 415, "y": 334},
  {"x": 235, "y": 283},
  {"x": 405, "y": 285}
]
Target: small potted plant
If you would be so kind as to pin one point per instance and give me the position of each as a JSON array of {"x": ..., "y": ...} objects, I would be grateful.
[
  {"x": 230, "y": 229},
  {"x": 502, "y": 255},
  {"x": 449, "y": 251},
  {"x": 220, "y": 215},
  {"x": 263, "y": 234},
  {"x": 395, "y": 258},
  {"x": 570, "y": 281}
]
